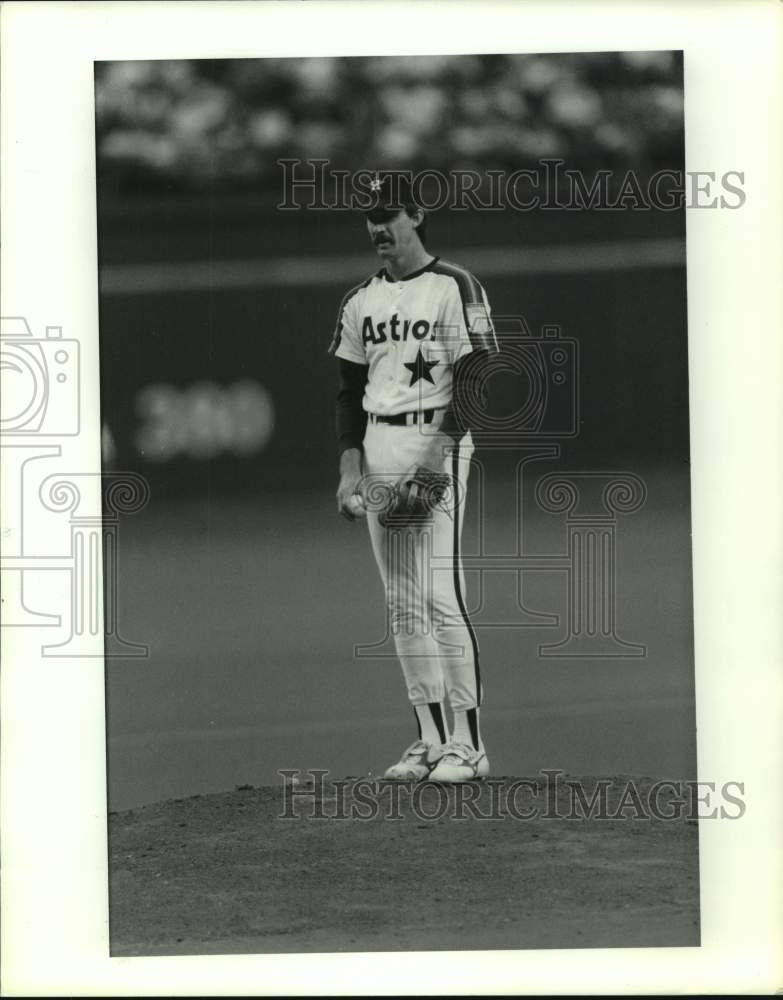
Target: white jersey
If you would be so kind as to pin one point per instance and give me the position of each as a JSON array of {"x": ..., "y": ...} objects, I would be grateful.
[{"x": 411, "y": 332}]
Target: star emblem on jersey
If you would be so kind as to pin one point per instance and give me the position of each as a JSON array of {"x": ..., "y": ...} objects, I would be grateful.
[
  {"x": 375, "y": 183},
  {"x": 420, "y": 369}
]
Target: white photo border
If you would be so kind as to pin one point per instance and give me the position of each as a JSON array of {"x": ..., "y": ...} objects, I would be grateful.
[{"x": 54, "y": 885}]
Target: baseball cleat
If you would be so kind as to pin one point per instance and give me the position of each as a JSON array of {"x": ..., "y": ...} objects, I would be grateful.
[
  {"x": 460, "y": 762},
  {"x": 416, "y": 763}
]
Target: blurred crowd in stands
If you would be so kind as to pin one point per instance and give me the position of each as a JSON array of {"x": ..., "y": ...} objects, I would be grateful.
[{"x": 183, "y": 125}]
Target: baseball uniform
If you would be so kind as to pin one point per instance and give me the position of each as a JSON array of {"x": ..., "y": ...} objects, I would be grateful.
[{"x": 407, "y": 335}]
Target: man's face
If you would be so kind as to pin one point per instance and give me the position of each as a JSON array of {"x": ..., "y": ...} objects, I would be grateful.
[{"x": 393, "y": 236}]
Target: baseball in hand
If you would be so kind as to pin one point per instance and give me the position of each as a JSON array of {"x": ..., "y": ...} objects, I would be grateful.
[{"x": 356, "y": 505}]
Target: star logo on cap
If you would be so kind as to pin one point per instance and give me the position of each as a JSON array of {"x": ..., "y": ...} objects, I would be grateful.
[{"x": 376, "y": 184}]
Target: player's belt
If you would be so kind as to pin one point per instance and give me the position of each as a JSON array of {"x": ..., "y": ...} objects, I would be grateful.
[{"x": 404, "y": 419}]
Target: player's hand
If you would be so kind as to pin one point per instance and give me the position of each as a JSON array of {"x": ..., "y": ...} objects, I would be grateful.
[
  {"x": 350, "y": 501},
  {"x": 350, "y": 497}
]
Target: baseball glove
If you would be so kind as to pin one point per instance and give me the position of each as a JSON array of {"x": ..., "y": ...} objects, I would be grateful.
[{"x": 414, "y": 501}]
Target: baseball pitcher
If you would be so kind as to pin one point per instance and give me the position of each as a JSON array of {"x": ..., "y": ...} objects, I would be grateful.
[{"x": 411, "y": 342}]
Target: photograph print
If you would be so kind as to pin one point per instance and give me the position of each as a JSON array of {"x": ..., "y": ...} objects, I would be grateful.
[{"x": 395, "y": 439}]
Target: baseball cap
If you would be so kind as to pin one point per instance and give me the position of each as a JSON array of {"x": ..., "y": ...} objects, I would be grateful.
[{"x": 390, "y": 192}]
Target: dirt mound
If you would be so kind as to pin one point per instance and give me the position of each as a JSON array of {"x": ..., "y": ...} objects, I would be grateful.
[{"x": 381, "y": 867}]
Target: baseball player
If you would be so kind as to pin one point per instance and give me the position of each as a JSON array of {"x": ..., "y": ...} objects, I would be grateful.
[{"x": 410, "y": 341}]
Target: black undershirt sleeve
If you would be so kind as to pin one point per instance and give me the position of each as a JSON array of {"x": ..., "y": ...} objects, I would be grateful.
[{"x": 351, "y": 418}]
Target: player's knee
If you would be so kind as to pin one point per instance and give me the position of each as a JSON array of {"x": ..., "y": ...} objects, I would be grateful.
[
  {"x": 405, "y": 618},
  {"x": 444, "y": 610},
  {"x": 407, "y": 622}
]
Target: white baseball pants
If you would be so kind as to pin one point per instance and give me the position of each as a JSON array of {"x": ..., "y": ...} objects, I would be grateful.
[{"x": 421, "y": 568}]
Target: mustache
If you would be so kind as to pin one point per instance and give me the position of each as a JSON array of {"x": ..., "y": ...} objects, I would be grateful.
[{"x": 381, "y": 238}]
